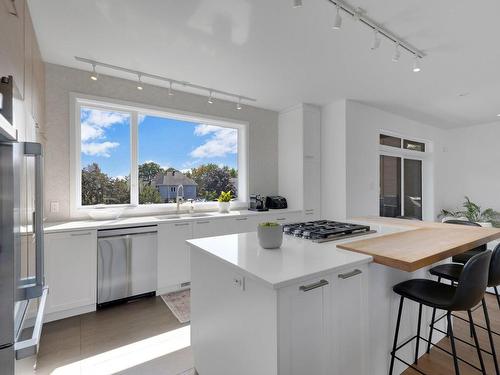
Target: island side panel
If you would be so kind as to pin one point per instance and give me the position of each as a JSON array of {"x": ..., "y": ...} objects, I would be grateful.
[{"x": 231, "y": 328}]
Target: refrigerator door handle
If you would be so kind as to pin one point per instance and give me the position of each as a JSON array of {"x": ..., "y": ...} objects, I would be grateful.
[
  {"x": 30, "y": 346},
  {"x": 33, "y": 287}
]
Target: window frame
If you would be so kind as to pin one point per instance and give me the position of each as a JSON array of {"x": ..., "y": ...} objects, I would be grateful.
[{"x": 77, "y": 101}]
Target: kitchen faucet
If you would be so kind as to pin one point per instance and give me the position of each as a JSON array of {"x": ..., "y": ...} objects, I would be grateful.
[{"x": 179, "y": 199}]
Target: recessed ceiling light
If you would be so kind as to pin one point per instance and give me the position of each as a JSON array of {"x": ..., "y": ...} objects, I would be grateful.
[{"x": 498, "y": 115}]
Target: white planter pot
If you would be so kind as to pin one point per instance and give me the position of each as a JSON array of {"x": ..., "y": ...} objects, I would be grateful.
[
  {"x": 224, "y": 207},
  {"x": 270, "y": 237}
]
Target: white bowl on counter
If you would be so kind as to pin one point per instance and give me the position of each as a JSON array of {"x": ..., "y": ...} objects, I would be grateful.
[{"x": 105, "y": 213}]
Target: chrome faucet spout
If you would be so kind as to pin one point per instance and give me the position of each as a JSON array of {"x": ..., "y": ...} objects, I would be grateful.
[{"x": 179, "y": 196}]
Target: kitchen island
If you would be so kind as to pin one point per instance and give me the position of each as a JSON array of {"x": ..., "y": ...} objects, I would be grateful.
[{"x": 307, "y": 308}]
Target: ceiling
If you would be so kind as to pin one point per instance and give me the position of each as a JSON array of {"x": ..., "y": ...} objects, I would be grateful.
[{"x": 282, "y": 56}]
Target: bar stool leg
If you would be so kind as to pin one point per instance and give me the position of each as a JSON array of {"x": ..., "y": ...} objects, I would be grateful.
[
  {"x": 395, "y": 344},
  {"x": 476, "y": 341},
  {"x": 492, "y": 344},
  {"x": 430, "y": 331},
  {"x": 452, "y": 339},
  {"x": 498, "y": 297},
  {"x": 418, "y": 332}
]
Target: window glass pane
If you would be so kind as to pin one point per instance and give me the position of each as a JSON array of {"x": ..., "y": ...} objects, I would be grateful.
[
  {"x": 202, "y": 158},
  {"x": 414, "y": 146},
  {"x": 390, "y": 186},
  {"x": 413, "y": 188},
  {"x": 105, "y": 156},
  {"x": 387, "y": 140}
]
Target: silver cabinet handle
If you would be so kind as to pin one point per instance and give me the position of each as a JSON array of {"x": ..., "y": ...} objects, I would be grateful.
[
  {"x": 241, "y": 218},
  {"x": 319, "y": 284},
  {"x": 202, "y": 222},
  {"x": 350, "y": 274},
  {"x": 181, "y": 224},
  {"x": 80, "y": 234},
  {"x": 310, "y": 210},
  {"x": 281, "y": 219}
]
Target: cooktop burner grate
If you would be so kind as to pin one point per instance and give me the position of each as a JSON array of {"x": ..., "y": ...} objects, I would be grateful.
[{"x": 325, "y": 230}]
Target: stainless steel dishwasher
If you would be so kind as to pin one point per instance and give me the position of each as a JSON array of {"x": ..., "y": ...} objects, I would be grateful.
[{"x": 126, "y": 263}]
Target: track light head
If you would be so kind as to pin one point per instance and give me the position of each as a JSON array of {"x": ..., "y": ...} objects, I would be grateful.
[
  {"x": 297, "y": 3},
  {"x": 210, "y": 98},
  {"x": 139, "y": 83},
  {"x": 416, "y": 64},
  {"x": 337, "y": 21},
  {"x": 93, "y": 75},
  {"x": 238, "y": 106},
  {"x": 397, "y": 53},
  {"x": 376, "y": 40},
  {"x": 170, "y": 92}
]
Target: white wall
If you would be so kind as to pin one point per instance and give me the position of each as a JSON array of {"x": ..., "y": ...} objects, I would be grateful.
[
  {"x": 361, "y": 129},
  {"x": 60, "y": 81},
  {"x": 473, "y": 161}
]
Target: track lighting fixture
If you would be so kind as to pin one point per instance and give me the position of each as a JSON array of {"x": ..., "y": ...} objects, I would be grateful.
[
  {"x": 376, "y": 40},
  {"x": 93, "y": 75},
  {"x": 139, "y": 83},
  {"x": 297, "y": 3},
  {"x": 416, "y": 64},
  {"x": 397, "y": 53},
  {"x": 337, "y": 21},
  {"x": 235, "y": 98}
]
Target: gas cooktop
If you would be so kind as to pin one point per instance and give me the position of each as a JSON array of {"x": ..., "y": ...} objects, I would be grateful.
[{"x": 326, "y": 230}]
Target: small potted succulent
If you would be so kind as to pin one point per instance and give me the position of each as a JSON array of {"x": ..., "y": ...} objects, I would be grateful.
[
  {"x": 270, "y": 235},
  {"x": 224, "y": 201}
]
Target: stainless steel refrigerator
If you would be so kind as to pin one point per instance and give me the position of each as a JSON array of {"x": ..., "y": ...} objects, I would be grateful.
[{"x": 21, "y": 267}]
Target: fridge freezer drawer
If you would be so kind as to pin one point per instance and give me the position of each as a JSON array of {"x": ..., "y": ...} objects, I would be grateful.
[{"x": 126, "y": 266}]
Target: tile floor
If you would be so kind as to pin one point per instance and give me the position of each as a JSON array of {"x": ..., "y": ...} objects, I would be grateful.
[{"x": 141, "y": 337}]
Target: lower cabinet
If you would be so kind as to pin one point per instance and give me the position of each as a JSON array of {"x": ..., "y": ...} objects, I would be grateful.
[
  {"x": 173, "y": 255},
  {"x": 71, "y": 272},
  {"x": 322, "y": 325}
]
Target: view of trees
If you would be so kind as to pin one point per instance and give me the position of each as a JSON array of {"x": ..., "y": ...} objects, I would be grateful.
[{"x": 99, "y": 188}]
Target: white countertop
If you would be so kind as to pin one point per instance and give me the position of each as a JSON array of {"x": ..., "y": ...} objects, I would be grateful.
[
  {"x": 68, "y": 226},
  {"x": 295, "y": 261}
]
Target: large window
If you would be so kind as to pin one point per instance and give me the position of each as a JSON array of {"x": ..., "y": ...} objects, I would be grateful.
[{"x": 136, "y": 156}]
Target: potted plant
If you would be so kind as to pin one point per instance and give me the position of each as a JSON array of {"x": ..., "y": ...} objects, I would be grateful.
[
  {"x": 224, "y": 201},
  {"x": 472, "y": 212},
  {"x": 270, "y": 235}
]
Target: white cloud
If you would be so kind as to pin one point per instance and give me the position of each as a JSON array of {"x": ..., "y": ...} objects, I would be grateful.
[
  {"x": 94, "y": 122},
  {"x": 222, "y": 141},
  {"x": 99, "y": 149}
]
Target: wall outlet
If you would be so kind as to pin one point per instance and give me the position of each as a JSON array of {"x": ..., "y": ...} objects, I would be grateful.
[
  {"x": 54, "y": 207},
  {"x": 239, "y": 282}
]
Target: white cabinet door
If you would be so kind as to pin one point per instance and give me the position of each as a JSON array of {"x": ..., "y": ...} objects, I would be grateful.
[
  {"x": 312, "y": 189},
  {"x": 71, "y": 269},
  {"x": 173, "y": 255},
  {"x": 210, "y": 228},
  {"x": 304, "y": 328},
  {"x": 312, "y": 130},
  {"x": 349, "y": 321},
  {"x": 244, "y": 224}
]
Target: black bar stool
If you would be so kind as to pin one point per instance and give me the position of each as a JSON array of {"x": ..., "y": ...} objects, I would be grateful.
[
  {"x": 452, "y": 272},
  {"x": 469, "y": 292},
  {"x": 464, "y": 257}
]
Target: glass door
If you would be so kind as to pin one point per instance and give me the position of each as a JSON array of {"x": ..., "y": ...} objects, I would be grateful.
[{"x": 400, "y": 187}]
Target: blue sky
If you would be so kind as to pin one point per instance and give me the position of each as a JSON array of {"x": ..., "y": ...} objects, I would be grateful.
[{"x": 168, "y": 142}]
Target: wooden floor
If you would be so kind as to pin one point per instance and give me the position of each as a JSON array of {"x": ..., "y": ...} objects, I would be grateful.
[
  {"x": 440, "y": 363},
  {"x": 74, "y": 345}
]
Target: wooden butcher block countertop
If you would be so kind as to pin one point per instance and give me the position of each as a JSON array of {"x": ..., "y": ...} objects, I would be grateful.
[{"x": 423, "y": 244}]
